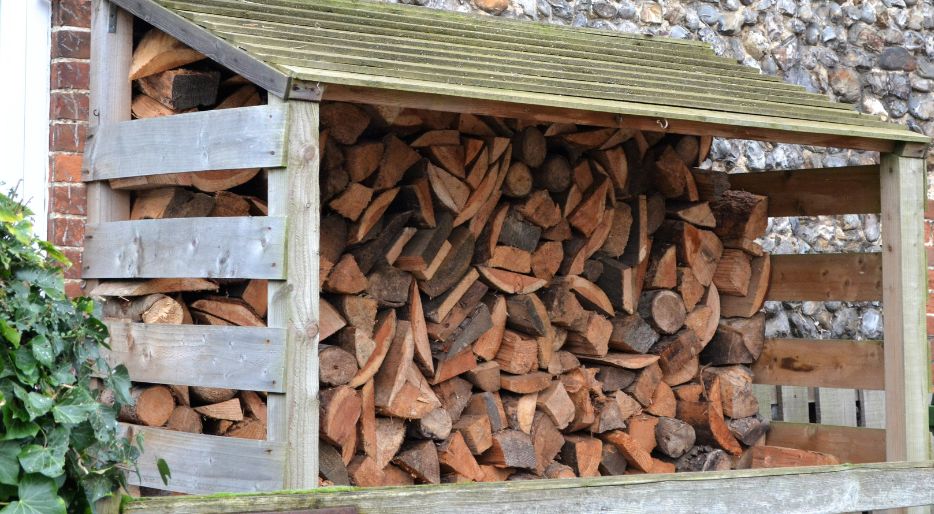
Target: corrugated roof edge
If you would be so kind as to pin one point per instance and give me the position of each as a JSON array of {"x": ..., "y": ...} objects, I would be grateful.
[{"x": 278, "y": 80}]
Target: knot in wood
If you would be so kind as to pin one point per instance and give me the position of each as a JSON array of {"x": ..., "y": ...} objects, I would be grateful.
[{"x": 309, "y": 152}]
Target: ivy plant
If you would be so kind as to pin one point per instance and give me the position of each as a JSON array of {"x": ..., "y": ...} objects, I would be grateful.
[{"x": 60, "y": 449}]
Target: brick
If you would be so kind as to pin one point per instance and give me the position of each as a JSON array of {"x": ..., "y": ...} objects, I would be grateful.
[
  {"x": 68, "y": 105},
  {"x": 67, "y": 137},
  {"x": 70, "y": 75},
  {"x": 72, "y": 13},
  {"x": 73, "y": 288},
  {"x": 928, "y": 233},
  {"x": 68, "y": 199},
  {"x": 71, "y": 44},
  {"x": 65, "y": 167},
  {"x": 66, "y": 231},
  {"x": 929, "y": 209},
  {"x": 930, "y": 324},
  {"x": 74, "y": 255}
]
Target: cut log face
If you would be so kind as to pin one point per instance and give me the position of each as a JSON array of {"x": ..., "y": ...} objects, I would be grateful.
[{"x": 507, "y": 299}]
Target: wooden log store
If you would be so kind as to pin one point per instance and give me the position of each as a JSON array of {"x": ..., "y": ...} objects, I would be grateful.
[{"x": 342, "y": 242}]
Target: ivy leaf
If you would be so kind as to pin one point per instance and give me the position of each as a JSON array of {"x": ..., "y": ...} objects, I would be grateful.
[
  {"x": 10, "y": 333},
  {"x": 9, "y": 464},
  {"x": 42, "y": 350},
  {"x": 16, "y": 428},
  {"x": 26, "y": 367},
  {"x": 37, "y": 495},
  {"x": 164, "y": 472},
  {"x": 37, "y": 405},
  {"x": 97, "y": 487},
  {"x": 74, "y": 407},
  {"x": 120, "y": 384},
  {"x": 39, "y": 459}
]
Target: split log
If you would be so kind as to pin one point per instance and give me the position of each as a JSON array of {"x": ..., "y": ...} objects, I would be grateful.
[
  {"x": 518, "y": 181},
  {"x": 663, "y": 309},
  {"x": 748, "y": 305},
  {"x": 704, "y": 458},
  {"x": 643, "y": 388},
  {"x": 678, "y": 357},
  {"x": 336, "y": 366},
  {"x": 339, "y": 412},
  {"x": 485, "y": 377},
  {"x": 491, "y": 406},
  {"x": 737, "y": 341},
  {"x": 231, "y": 310},
  {"x": 181, "y": 89},
  {"x": 152, "y": 406},
  {"x": 749, "y": 431},
  {"x": 612, "y": 462},
  {"x": 554, "y": 174},
  {"x": 736, "y": 396},
  {"x": 583, "y": 454},
  {"x": 487, "y": 345},
  {"x": 185, "y": 419},
  {"x": 634, "y": 454},
  {"x": 707, "y": 419},
  {"x": 510, "y": 449},
  {"x": 547, "y": 441},
  {"x": 421, "y": 461},
  {"x": 662, "y": 271},
  {"x": 345, "y": 122},
  {"x": 229, "y": 410},
  {"x": 555, "y": 402},
  {"x": 698, "y": 249},
  {"x": 530, "y": 147},
  {"x": 759, "y": 457},
  {"x": 631, "y": 333},
  {"x": 454, "y": 456},
  {"x": 153, "y": 308},
  {"x": 675, "y": 437},
  {"x": 740, "y": 215},
  {"x": 476, "y": 431},
  {"x": 158, "y": 52}
]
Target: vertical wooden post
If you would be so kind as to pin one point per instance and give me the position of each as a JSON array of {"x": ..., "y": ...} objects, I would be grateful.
[
  {"x": 904, "y": 294},
  {"x": 293, "y": 305},
  {"x": 111, "y": 91}
]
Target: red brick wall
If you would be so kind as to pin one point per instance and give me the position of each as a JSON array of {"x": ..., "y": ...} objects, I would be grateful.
[{"x": 68, "y": 115}]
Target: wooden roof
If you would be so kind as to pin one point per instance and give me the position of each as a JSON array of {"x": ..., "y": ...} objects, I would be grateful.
[{"x": 294, "y": 45}]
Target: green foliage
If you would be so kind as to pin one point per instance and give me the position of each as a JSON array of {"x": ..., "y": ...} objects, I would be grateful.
[{"x": 59, "y": 447}]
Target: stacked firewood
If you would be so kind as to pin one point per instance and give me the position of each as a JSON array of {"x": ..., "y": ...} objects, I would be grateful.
[
  {"x": 170, "y": 78},
  {"x": 504, "y": 299},
  {"x": 500, "y": 299}
]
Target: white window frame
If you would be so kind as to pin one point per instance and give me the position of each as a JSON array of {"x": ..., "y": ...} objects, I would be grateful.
[{"x": 25, "y": 42}]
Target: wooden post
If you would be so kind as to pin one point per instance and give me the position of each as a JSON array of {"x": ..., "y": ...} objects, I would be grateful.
[
  {"x": 111, "y": 53},
  {"x": 907, "y": 378},
  {"x": 293, "y": 305}
]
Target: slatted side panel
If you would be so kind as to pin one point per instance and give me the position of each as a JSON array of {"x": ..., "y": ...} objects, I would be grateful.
[
  {"x": 831, "y": 382},
  {"x": 202, "y": 464}
]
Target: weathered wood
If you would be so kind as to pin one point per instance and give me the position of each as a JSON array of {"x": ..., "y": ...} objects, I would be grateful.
[
  {"x": 849, "y": 444},
  {"x": 821, "y": 363},
  {"x": 778, "y": 457},
  {"x": 222, "y": 248},
  {"x": 135, "y": 148},
  {"x": 194, "y": 460},
  {"x": 904, "y": 290},
  {"x": 237, "y": 357}
]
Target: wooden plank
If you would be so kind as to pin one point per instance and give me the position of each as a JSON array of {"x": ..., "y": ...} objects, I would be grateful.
[
  {"x": 247, "y": 358},
  {"x": 205, "y": 463},
  {"x": 849, "y": 444},
  {"x": 836, "y": 406},
  {"x": 821, "y": 363},
  {"x": 844, "y": 488},
  {"x": 525, "y": 108},
  {"x": 815, "y": 192},
  {"x": 851, "y": 277},
  {"x": 277, "y": 298},
  {"x": 793, "y": 404},
  {"x": 186, "y": 247},
  {"x": 304, "y": 215},
  {"x": 245, "y": 137},
  {"x": 110, "y": 98},
  {"x": 872, "y": 409},
  {"x": 766, "y": 395},
  {"x": 238, "y": 61},
  {"x": 907, "y": 380}
]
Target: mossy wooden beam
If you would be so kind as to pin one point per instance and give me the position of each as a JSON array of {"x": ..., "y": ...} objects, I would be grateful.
[{"x": 844, "y": 488}]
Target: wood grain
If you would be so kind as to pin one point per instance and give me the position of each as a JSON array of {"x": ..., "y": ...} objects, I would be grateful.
[
  {"x": 827, "y": 276},
  {"x": 820, "y": 363},
  {"x": 186, "y": 247},
  {"x": 815, "y": 192},
  {"x": 849, "y": 444},
  {"x": 245, "y": 137},
  {"x": 247, "y": 358},
  {"x": 843, "y": 488}
]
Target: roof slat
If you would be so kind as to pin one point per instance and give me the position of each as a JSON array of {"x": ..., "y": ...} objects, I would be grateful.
[{"x": 362, "y": 43}]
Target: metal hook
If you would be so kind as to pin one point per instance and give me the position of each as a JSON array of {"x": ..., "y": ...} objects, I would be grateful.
[{"x": 663, "y": 123}]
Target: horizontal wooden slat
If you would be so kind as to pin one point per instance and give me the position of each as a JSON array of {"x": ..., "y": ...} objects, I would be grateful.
[
  {"x": 849, "y": 444},
  {"x": 248, "y": 358},
  {"x": 241, "y": 247},
  {"x": 826, "y": 276},
  {"x": 815, "y": 192},
  {"x": 846, "y": 488},
  {"x": 821, "y": 363},
  {"x": 247, "y": 137},
  {"x": 205, "y": 463}
]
